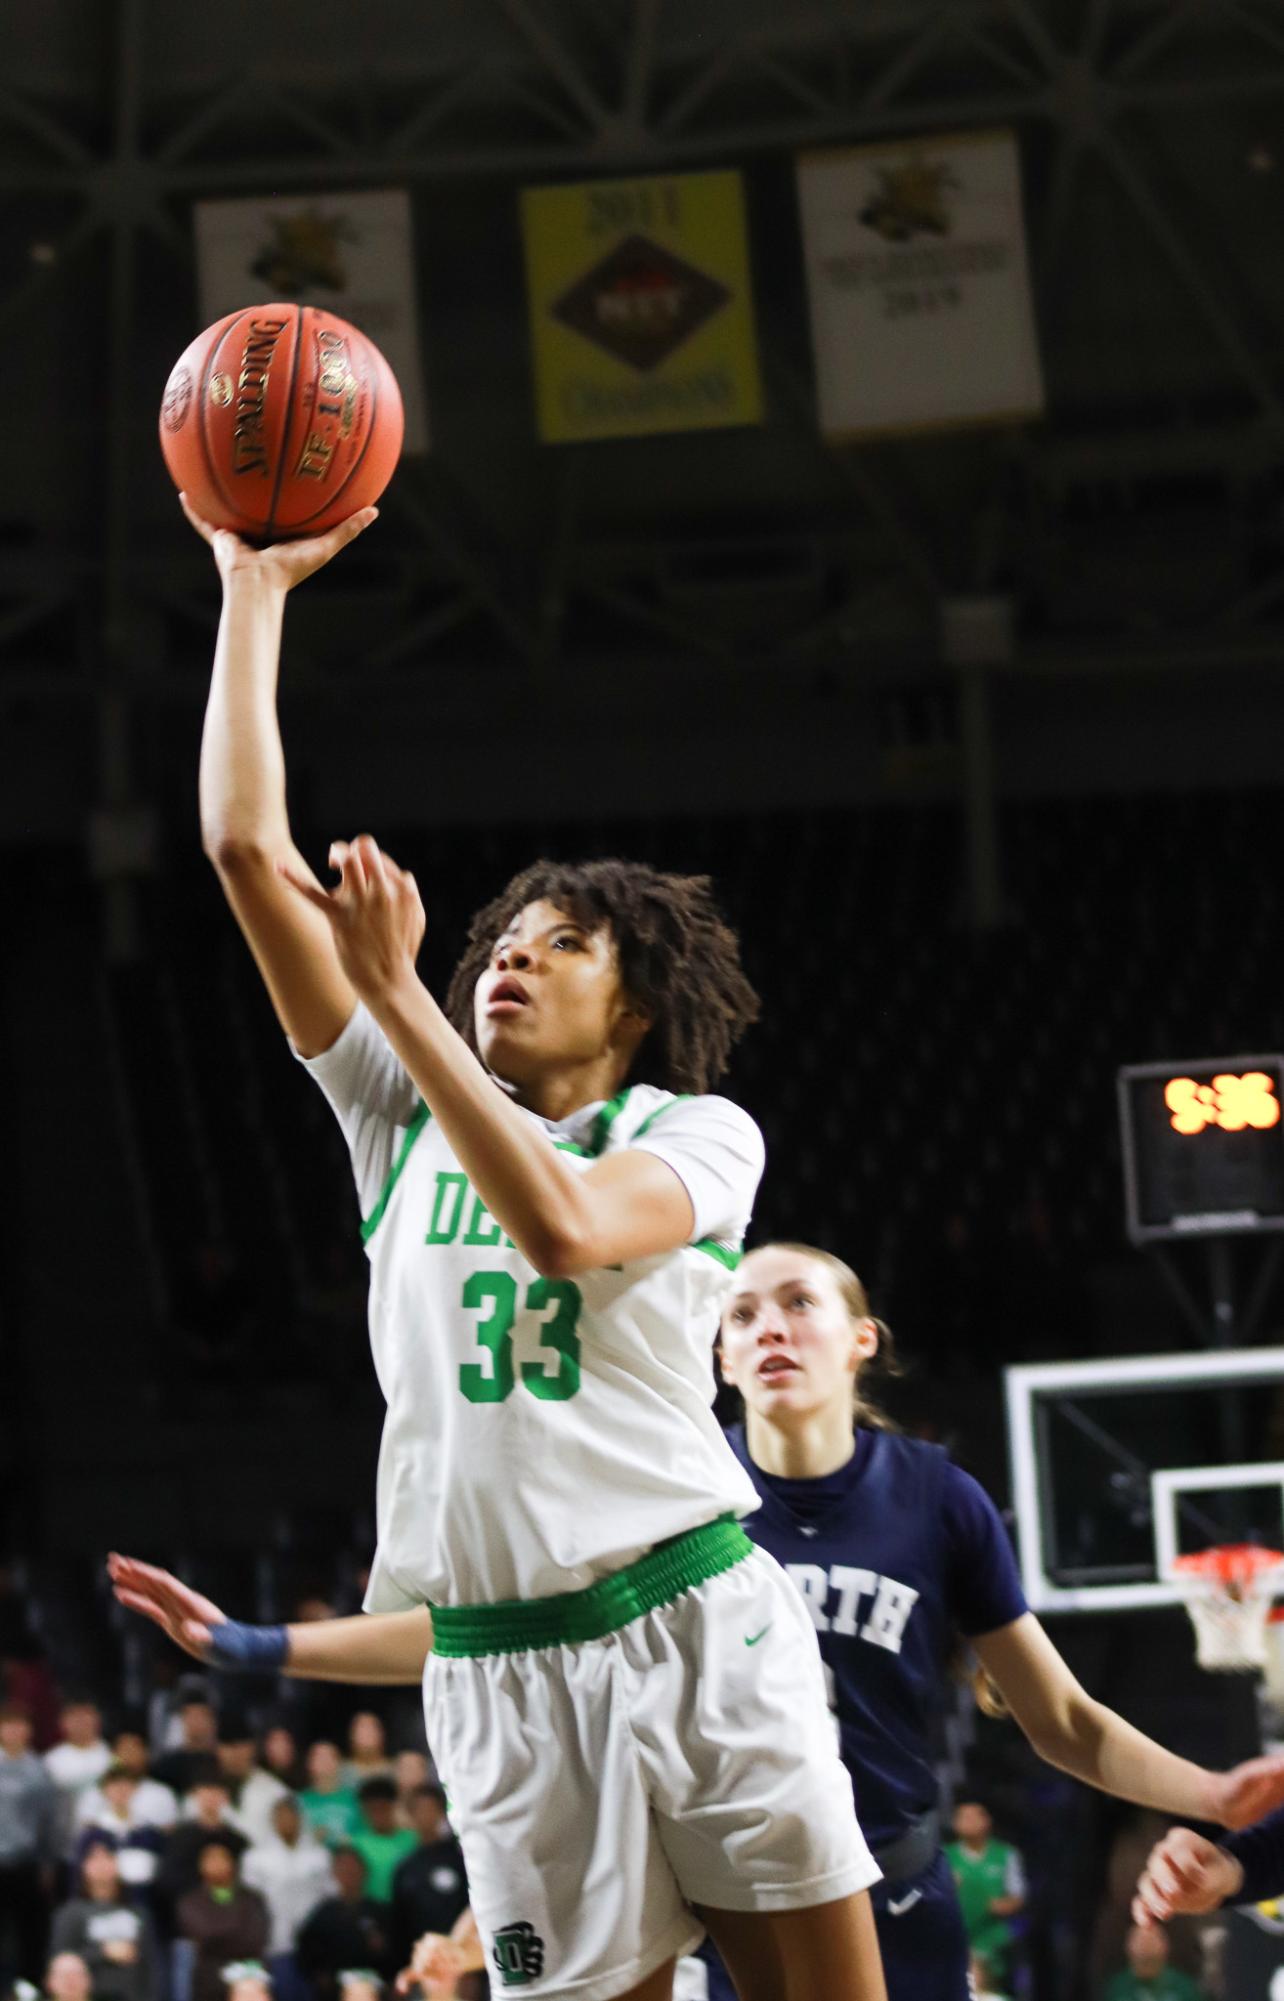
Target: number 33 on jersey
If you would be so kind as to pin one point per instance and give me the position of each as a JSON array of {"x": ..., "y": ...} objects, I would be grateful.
[{"x": 539, "y": 1431}]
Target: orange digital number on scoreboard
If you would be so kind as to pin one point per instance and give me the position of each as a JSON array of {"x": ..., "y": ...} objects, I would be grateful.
[{"x": 1233, "y": 1103}]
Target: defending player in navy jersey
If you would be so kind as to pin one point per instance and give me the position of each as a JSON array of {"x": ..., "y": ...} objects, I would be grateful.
[{"x": 897, "y": 1553}]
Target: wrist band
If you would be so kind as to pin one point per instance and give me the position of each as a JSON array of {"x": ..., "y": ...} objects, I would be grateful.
[{"x": 249, "y": 1649}]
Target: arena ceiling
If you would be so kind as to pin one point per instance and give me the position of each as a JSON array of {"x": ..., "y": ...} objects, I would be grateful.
[{"x": 1141, "y": 524}]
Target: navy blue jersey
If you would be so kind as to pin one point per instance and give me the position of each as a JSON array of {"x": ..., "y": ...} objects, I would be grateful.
[
  {"x": 895, "y": 1554},
  {"x": 1260, "y": 1851}
]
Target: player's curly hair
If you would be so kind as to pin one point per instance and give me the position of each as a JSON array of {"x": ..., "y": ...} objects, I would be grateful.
[{"x": 679, "y": 959}]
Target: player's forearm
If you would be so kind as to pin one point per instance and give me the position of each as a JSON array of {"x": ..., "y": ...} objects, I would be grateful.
[
  {"x": 523, "y": 1181},
  {"x": 242, "y": 771},
  {"x": 1094, "y": 1744},
  {"x": 382, "y": 1648}
]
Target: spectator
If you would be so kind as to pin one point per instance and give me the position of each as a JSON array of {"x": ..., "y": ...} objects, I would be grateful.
[
  {"x": 991, "y": 1885},
  {"x": 332, "y": 1807},
  {"x": 360, "y": 1983},
  {"x": 410, "y": 1771},
  {"x": 291, "y": 1872},
  {"x": 67, "y": 1978},
  {"x": 380, "y": 1842},
  {"x": 180, "y": 1767},
  {"x": 367, "y": 1750},
  {"x": 136, "y": 1846},
  {"x": 253, "y": 1791},
  {"x": 1148, "y": 1976},
  {"x": 247, "y": 1980},
  {"x": 179, "y": 1871},
  {"x": 28, "y": 1844},
  {"x": 347, "y": 1930},
  {"x": 77, "y": 1762},
  {"x": 221, "y": 1918},
  {"x": 429, "y": 1888},
  {"x": 150, "y": 1803},
  {"x": 25, "y": 1676},
  {"x": 281, "y": 1757},
  {"x": 113, "y": 1937}
]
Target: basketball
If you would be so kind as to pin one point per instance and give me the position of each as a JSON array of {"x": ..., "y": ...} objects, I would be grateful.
[{"x": 280, "y": 421}]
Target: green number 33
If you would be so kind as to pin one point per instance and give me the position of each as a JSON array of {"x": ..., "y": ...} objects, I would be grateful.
[{"x": 492, "y": 1381}]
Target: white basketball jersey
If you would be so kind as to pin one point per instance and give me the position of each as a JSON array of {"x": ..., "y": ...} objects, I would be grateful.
[{"x": 540, "y": 1432}]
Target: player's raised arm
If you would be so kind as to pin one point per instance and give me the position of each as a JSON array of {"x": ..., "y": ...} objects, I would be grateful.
[{"x": 245, "y": 827}]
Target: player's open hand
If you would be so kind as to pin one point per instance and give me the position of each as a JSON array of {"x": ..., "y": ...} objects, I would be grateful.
[
  {"x": 1248, "y": 1792},
  {"x": 283, "y": 564},
  {"x": 375, "y": 914},
  {"x": 179, "y": 1611},
  {"x": 1184, "y": 1874}
]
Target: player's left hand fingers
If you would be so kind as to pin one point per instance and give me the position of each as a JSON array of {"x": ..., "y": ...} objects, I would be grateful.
[
  {"x": 370, "y": 857},
  {"x": 136, "y": 1602},
  {"x": 1147, "y": 1909},
  {"x": 165, "y": 1588},
  {"x": 1161, "y": 1878}
]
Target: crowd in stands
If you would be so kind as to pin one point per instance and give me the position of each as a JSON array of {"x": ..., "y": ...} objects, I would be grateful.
[
  {"x": 217, "y": 1863},
  {"x": 214, "y": 1862}
]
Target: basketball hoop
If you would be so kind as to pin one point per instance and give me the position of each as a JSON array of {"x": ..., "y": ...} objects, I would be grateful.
[{"x": 1228, "y": 1592}]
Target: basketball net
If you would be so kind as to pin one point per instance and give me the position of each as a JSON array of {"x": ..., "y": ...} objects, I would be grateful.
[{"x": 1228, "y": 1591}]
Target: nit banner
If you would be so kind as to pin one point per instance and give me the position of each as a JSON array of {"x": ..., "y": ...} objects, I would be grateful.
[
  {"x": 920, "y": 297},
  {"x": 351, "y": 252},
  {"x": 641, "y": 315}
]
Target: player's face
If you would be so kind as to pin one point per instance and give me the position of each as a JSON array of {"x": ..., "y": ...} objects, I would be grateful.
[
  {"x": 551, "y": 995},
  {"x": 789, "y": 1344}
]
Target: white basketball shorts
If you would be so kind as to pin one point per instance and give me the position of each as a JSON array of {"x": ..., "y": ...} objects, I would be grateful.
[{"x": 602, "y": 1789}]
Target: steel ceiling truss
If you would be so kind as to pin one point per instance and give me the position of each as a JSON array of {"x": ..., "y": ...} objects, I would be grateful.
[{"x": 551, "y": 89}]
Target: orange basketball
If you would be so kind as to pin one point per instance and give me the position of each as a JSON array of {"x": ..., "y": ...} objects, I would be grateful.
[{"x": 280, "y": 421}]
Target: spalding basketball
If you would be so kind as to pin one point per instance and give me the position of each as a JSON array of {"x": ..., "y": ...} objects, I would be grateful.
[{"x": 281, "y": 421}]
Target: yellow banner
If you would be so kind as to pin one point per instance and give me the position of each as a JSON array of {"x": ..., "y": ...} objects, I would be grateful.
[{"x": 641, "y": 313}]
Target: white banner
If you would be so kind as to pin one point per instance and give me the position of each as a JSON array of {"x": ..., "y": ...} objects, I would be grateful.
[
  {"x": 350, "y": 252},
  {"x": 920, "y": 298}
]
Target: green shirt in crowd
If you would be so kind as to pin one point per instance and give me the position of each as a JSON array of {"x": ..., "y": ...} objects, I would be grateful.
[
  {"x": 381, "y": 1853},
  {"x": 1170, "y": 1985},
  {"x": 335, "y": 1816},
  {"x": 979, "y": 1878}
]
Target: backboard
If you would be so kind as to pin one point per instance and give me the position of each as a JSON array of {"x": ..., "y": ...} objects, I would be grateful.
[{"x": 1118, "y": 1465}]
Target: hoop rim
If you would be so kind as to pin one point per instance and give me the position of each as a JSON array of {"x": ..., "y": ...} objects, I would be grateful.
[{"x": 1225, "y": 1564}]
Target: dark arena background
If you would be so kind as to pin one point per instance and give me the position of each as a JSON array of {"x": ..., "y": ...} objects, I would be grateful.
[{"x": 910, "y": 560}]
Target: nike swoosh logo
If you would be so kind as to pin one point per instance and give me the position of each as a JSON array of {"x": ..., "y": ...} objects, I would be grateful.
[
  {"x": 906, "y": 1904},
  {"x": 752, "y": 1639}
]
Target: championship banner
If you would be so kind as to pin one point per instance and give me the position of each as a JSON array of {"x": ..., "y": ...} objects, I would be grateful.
[
  {"x": 350, "y": 252},
  {"x": 920, "y": 297},
  {"x": 641, "y": 313}
]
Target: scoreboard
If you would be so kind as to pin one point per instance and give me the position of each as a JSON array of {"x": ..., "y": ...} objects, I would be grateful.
[{"x": 1203, "y": 1147}]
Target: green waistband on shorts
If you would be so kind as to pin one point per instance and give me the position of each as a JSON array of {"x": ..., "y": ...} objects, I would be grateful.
[{"x": 571, "y": 1617}]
